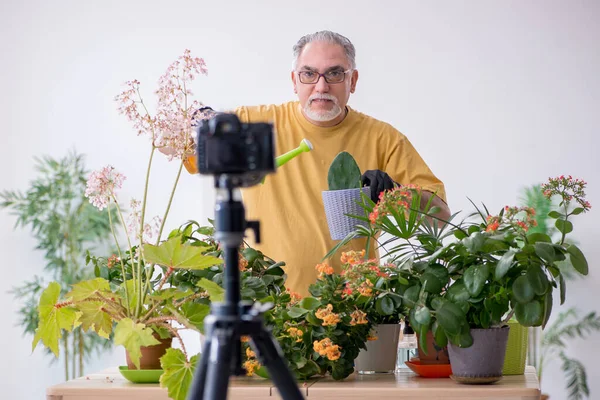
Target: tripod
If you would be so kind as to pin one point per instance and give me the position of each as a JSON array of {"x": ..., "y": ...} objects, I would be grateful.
[{"x": 228, "y": 321}]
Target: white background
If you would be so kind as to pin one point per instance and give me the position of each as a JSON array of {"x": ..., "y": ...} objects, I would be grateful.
[{"x": 495, "y": 95}]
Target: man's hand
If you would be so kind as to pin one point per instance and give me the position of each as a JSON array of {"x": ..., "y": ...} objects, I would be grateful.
[{"x": 378, "y": 181}]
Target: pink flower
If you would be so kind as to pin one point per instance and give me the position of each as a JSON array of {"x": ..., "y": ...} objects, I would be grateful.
[
  {"x": 151, "y": 229},
  {"x": 101, "y": 186}
]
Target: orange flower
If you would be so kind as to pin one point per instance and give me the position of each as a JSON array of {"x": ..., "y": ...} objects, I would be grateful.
[
  {"x": 327, "y": 349},
  {"x": 242, "y": 264},
  {"x": 358, "y": 318},
  {"x": 250, "y": 353},
  {"x": 324, "y": 269},
  {"x": 295, "y": 333},
  {"x": 251, "y": 366},
  {"x": 328, "y": 317}
]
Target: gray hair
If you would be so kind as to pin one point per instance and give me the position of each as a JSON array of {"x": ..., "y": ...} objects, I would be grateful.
[{"x": 326, "y": 36}]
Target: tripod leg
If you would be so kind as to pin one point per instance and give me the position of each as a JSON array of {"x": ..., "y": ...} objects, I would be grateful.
[
  {"x": 271, "y": 357},
  {"x": 219, "y": 359},
  {"x": 197, "y": 388}
]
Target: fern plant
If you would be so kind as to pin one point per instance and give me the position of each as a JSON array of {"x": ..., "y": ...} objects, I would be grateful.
[
  {"x": 65, "y": 226},
  {"x": 554, "y": 341}
]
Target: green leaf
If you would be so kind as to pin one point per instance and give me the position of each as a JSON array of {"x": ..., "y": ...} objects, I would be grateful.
[
  {"x": 439, "y": 335},
  {"x": 537, "y": 279},
  {"x": 555, "y": 214},
  {"x": 295, "y": 312},
  {"x": 458, "y": 292},
  {"x": 86, "y": 289},
  {"x": 506, "y": 261},
  {"x": 384, "y": 305},
  {"x": 563, "y": 288},
  {"x": 475, "y": 278},
  {"x": 411, "y": 295},
  {"x": 215, "y": 292},
  {"x": 538, "y": 237},
  {"x": 179, "y": 373},
  {"x": 474, "y": 242},
  {"x": 545, "y": 251},
  {"x": 309, "y": 303},
  {"x": 53, "y": 320},
  {"x": 423, "y": 315},
  {"x": 529, "y": 314},
  {"x": 577, "y": 211},
  {"x": 431, "y": 283},
  {"x": 522, "y": 290},
  {"x": 547, "y": 308},
  {"x": 195, "y": 314},
  {"x": 92, "y": 317},
  {"x": 132, "y": 336},
  {"x": 578, "y": 259},
  {"x": 344, "y": 172},
  {"x": 174, "y": 254},
  {"x": 450, "y": 317},
  {"x": 564, "y": 226}
]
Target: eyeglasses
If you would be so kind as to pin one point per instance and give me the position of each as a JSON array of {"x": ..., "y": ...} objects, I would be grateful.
[{"x": 312, "y": 77}]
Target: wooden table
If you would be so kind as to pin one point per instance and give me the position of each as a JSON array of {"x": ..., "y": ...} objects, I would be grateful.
[{"x": 110, "y": 385}]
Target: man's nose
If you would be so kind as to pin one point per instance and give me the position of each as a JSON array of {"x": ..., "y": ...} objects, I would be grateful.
[{"x": 322, "y": 86}]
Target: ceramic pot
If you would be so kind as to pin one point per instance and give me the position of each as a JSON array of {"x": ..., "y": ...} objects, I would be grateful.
[
  {"x": 151, "y": 354},
  {"x": 380, "y": 355}
]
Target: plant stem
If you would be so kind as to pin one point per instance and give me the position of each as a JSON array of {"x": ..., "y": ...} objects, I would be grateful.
[
  {"x": 81, "y": 352},
  {"x": 74, "y": 354},
  {"x": 563, "y": 233},
  {"x": 141, "y": 234},
  {"x": 162, "y": 225},
  {"x": 66, "y": 346},
  {"x": 176, "y": 334},
  {"x": 112, "y": 229}
]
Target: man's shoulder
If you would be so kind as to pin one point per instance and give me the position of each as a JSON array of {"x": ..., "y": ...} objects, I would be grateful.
[
  {"x": 376, "y": 125},
  {"x": 265, "y": 112}
]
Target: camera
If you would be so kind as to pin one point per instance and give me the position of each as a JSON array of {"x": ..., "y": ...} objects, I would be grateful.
[{"x": 227, "y": 146}]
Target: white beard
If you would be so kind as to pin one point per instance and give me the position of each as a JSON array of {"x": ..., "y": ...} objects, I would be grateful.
[{"x": 322, "y": 116}]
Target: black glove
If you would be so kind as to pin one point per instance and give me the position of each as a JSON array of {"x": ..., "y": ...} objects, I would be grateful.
[{"x": 378, "y": 181}]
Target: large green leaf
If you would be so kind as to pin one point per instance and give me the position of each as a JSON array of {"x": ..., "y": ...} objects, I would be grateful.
[
  {"x": 174, "y": 254},
  {"x": 195, "y": 314},
  {"x": 578, "y": 259},
  {"x": 215, "y": 292},
  {"x": 545, "y": 251},
  {"x": 537, "y": 279},
  {"x": 431, "y": 283},
  {"x": 522, "y": 290},
  {"x": 384, "y": 305},
  {"x": 52, "y": 319},
  {"x": 179, "y": 373},
  {"x": 423, "y": 315},
  {"x": 475, "y": 278},
  {"x": 474, "y": 242},
  {"x": 547, "y": 308},
  {"x": 504, "y": 264},
  {"x": 529, "y": 314},
  {"x": 450, "y": 317},
  {"x": 309, "y": 303},
  {"x": 564, "y": 226},
  {"x": 132, "y": 336},
  {"x": 343, "y": 173},
  {"x": 86, "y": 289},
  {"x": 457, "y": 292},
  {"x": 93, "y": 317}
]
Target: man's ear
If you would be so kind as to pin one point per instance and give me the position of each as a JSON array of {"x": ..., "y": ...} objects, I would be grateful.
[
  {"x": 353, "y": 81},
  {"x": 293, "y": 75}
]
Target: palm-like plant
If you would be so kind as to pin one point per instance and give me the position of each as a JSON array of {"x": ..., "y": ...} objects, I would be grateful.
[
  {"x": 554, "y": 342},
  {"x": 65, "y": 226}
]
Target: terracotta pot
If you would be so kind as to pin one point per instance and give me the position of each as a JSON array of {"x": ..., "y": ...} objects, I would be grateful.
[
  {"x": 151, "y": 354},
  {"x": 435, "y": 354}
]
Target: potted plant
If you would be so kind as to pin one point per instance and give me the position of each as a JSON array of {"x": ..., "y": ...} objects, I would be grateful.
[
  {"x": 496, "y": 269},
  {"x": 131, "y": 295},
  {"x": 342, "y": 200},
  {"x": 65, "y": 226}
]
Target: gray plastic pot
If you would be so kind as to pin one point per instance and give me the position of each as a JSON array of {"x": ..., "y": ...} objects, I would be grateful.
[
  {"x": 380, "y": 355},
  {"x": 483, "y": 361},
  {"x": 339, "y": 203}
]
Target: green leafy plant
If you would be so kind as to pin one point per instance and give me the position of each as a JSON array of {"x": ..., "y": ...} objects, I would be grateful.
[
  {"x": 555, "y": 337},
  {"x": 344, "y": 173},
  {"x": 65, "y": 226},
  {"x": 130, "y": 296},
  {"x": 489, "y": 268}
]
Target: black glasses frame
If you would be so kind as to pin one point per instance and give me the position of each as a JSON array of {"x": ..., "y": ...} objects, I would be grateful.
[{"x": 321, "y": 75}]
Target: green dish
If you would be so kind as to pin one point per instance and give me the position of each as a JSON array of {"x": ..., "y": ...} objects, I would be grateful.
[{"x": 140, "y": 375}]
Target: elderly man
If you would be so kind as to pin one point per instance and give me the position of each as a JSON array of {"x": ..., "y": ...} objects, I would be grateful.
[{"x": 289, "y": 205}]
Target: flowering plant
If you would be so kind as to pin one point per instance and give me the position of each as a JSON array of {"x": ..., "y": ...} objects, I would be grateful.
[
  {"x": 478, "y": 273},
  {"x": 131, "y": 289}
]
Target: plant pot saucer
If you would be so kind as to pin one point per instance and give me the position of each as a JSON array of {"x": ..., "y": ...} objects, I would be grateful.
[
  {"x": 475, "y": 380},
  {"x": 140, "y": 375},
  {"x": 429, "y": 370}
]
